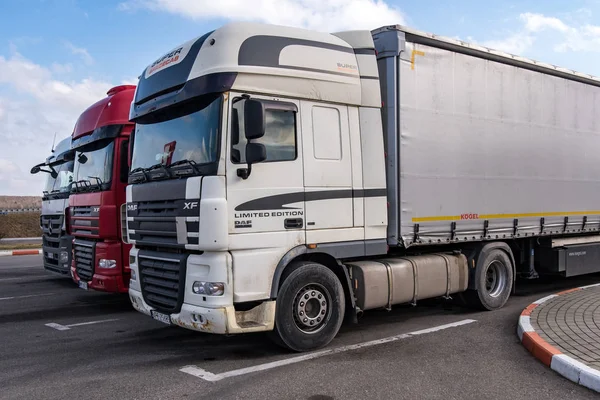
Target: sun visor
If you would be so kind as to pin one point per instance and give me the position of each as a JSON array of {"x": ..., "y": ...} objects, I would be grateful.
[{"x": 169, "y": 72}]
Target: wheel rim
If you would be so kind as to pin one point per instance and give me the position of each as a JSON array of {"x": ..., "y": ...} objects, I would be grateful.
[
  {"x": 495, "y": 278},
  {"x": 311, "y": 308}
]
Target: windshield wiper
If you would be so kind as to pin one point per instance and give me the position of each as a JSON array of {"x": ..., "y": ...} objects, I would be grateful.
[
  {"x": 159, "y": 166},
  {"x": 83, "y": 182},
  {"x": 191, "y": 163},
  {"x": 99, "y": 181},
  {"x": 139, "y": 169}
]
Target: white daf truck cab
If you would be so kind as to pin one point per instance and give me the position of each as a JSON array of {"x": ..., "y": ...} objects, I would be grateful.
[
  {"x": 283, "y": 179},
  {"x": 56, "y": 244}
]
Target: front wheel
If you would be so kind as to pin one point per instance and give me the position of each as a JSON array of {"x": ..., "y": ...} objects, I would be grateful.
[{"x": 310, "y": 308}]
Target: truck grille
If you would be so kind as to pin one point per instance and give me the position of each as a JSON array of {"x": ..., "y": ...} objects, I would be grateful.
[
  {"x": 84, "y": 253},
  {"x": 85, "y": 220},
  {"x": 155, "y": 223},
  {"x": 162, "y": 278},
  {"x": 51, "y": 234}
]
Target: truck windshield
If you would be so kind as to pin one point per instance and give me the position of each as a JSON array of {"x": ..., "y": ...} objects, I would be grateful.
[
  {"x": 61, "y": 185},
  {"x": 186, "y": 137},
  {"x": 93, "y": 168}
]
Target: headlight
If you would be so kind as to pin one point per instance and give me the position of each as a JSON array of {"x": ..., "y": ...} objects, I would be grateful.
[
  {"x": 64, "y": 257},
  {"x": 103, "y": 263},
  {"x": 209, "y": 288}
]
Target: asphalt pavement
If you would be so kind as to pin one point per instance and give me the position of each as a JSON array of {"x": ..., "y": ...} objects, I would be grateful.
[{"x": 59, "y": 342}]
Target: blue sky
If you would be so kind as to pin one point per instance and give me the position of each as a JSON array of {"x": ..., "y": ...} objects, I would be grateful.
[{"x": 59, "y": 56}]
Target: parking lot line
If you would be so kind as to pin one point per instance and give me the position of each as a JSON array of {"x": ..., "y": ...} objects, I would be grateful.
[
  {"x": 210, "y": 377},
  {"x": 25, "y": 297},
  {"x": 60, "y": 327}
]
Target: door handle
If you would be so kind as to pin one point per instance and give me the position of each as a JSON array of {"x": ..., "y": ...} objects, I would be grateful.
[{"x": 293, "y": 223}]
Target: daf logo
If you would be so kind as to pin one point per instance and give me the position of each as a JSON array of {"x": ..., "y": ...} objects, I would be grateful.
[
  {"x": 96, "y": 209},
  {"x": 190, "y": 206},
  {"x": 131, "y": 207}
]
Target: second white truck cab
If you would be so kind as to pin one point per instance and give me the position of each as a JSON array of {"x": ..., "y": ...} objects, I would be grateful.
[{"x": 56, "y": 244}]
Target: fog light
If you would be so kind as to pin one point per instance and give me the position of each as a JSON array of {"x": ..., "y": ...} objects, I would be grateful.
[
  {"x": 103, "y": 263},
  {"x": 64, "y": 257},
  {"x": 209, "y": 288},
  {"x": 133, "y": 275}
]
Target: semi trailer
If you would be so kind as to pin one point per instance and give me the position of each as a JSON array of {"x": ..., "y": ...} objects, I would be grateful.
[
  {"x": 286, "y": 180},
  {"x": 101, "y": 141},
  {"x": 56, "y": 243}
]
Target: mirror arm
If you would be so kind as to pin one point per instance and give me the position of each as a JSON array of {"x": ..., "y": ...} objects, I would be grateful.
[{"x": 244, "y": 173}]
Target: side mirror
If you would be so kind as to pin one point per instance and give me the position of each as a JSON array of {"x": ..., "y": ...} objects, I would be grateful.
[
  {"x": 254, "y": 119},
  {"x": 54, "y": 174},
  {"x": 255, "y": 153},
  {"x": 35, "y": 169},
  {"x": 82, "y": 158}
]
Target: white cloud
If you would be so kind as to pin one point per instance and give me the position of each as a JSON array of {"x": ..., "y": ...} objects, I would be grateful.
[
  {"x": 34, "y": 105},
  {"x": 514, "y": 44},
  {"x": 81, "y": 52},
  {"x": 323, "y": 15},
  {"x": 538, "y": 22},
  {"x": 129, "y": 81},
  {"x": 62, "y": 68},
  {"x": 572, "y": 33}
]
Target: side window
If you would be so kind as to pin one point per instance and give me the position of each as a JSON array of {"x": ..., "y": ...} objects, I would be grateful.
[
  {"x": 327, "y": 133},
  {"x": 279, "y": 139}
]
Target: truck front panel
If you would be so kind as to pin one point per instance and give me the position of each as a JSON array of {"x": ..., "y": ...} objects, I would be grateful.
[{"x": 101, "y": 140}]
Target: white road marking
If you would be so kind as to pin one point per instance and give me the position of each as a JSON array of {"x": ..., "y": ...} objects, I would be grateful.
[
  {"x": 25, "y": 297},
  {"x": 60, "y": 327},
  {"x": 442, "y": 327},
  {"x": 210, "y": 377},
  {"x": 93, "y": 322}
]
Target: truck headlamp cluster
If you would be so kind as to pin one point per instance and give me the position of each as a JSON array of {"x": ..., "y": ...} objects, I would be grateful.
[
  {"x": 109, "y": 264},
  {"x": 209, "y": 288}
]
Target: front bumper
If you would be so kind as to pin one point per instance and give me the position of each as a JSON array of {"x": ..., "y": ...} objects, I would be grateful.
[
  {"x": 103, "y": 283},
  {"x": 113, "y": 280},
  {"x": 51, "y": 254},
  {"x": 220, "y": 320}
]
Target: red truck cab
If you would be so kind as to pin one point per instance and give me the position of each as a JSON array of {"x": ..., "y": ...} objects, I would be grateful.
[{"x": 101, "y": 141}]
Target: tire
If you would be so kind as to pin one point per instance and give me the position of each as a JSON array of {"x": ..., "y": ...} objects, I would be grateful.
[
  {"x": 494, "y": 279},
  {"x": 311, "y": 293}
]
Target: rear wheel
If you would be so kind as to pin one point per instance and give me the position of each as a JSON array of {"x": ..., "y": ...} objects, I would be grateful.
[
  {"x": 493, "y": 280},
  {"x": 310, "y": 308}
]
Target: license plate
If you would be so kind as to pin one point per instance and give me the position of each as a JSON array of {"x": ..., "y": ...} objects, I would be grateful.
[
  {"x": 83, "y": 285},
  {"x": 164, "y": 318}
]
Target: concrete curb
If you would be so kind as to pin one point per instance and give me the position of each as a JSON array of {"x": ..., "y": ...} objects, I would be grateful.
[
  {"x": 30, "y": 252},
  {"x": 549, "y": 355}
]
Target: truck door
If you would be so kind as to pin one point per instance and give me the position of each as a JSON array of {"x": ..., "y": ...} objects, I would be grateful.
[
  {"x": 327, "y": 173},
  {"x": 271, "y": 200}
]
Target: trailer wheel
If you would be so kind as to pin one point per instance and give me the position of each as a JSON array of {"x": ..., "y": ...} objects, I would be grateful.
[
  {"x": 493, "y": 280},
  {"x": 310, "y": 308}
]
